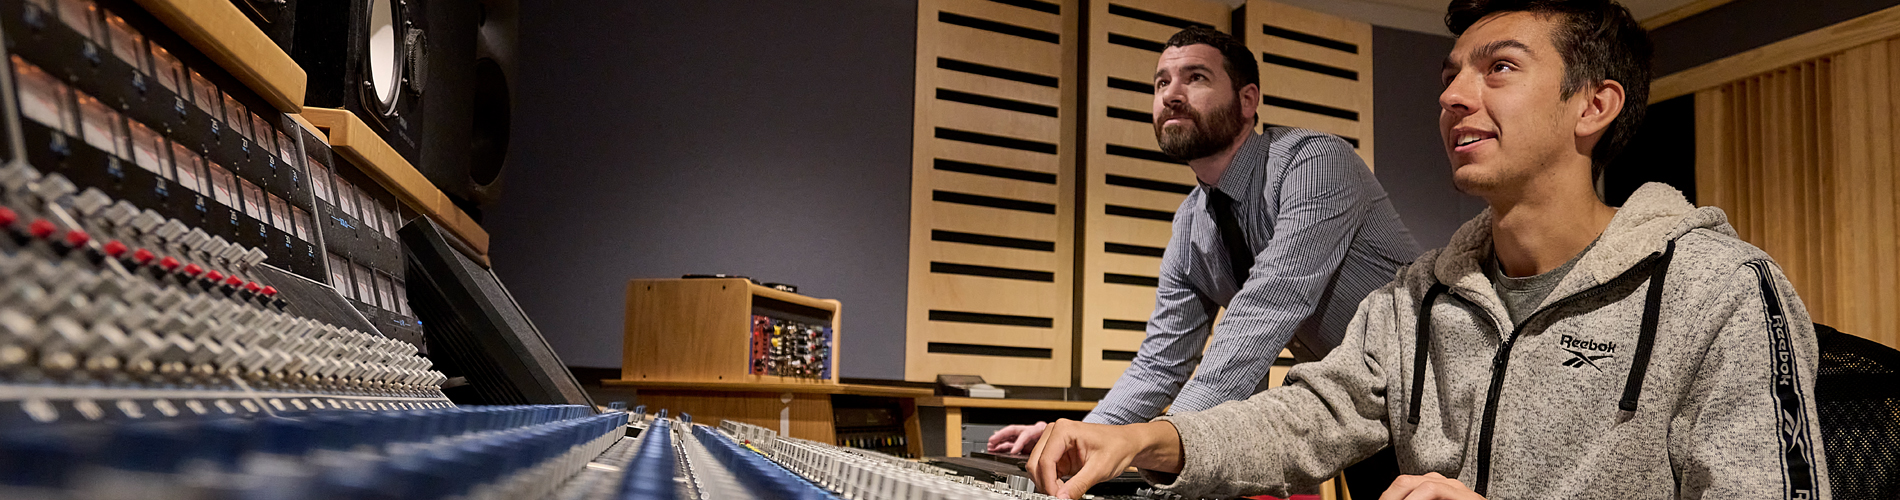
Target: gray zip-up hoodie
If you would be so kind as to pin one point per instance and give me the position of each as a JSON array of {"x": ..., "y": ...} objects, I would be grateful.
[{"x": 1574, "y": 402}]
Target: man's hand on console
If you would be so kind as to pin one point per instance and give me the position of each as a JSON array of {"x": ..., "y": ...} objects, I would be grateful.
[
  {"x": 1430, "y": 486},
  {"x": 1016, "y": 439},
  {"x": 1092, "y": 453}
]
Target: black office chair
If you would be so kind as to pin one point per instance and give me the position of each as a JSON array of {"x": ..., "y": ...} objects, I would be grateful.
[{"x": 1858, "y": 392}]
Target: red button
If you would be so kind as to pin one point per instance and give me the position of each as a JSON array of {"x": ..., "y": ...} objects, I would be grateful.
[
  {"x": 193, "y": 270},
  {"x": 142, "y": 256},
  {"x": 115, "y": 249},
  {"x": 214, "y": 276},
  {"x": 253, "y": 286},
  {"x": 7, "y": 216},
  {"x": 77, "y": 238},
  {"x": 234, "y": 281},
  {"x": 168, "y": 263},
  {"x": 270, "y": 292},
  {"x": 41, "y": 228}
]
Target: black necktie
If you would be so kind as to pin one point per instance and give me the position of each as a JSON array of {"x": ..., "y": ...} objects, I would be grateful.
[{"x": 1239, "y": 258}]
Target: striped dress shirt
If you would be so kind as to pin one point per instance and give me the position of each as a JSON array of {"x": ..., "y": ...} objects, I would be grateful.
[{"x": 1324, "y": 235}]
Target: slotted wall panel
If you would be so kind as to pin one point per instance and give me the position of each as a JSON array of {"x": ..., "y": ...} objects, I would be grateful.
[
  {"x": 993, "y": 191},
  {"x": 1315, "y": 71},
  {"x": 1132, "y": 189}
]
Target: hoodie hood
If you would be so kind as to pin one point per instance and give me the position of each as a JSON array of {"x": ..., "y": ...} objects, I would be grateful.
[{"x": 1654, "y": 215}]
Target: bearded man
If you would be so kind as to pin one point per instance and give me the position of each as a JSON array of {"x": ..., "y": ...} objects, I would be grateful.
[{"x": 1287, "y": 229}]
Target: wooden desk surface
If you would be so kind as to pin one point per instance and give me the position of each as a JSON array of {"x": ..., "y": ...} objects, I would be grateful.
[
  {"x": 1013, "y": 404},
  {"x": 850, "y": 389}
]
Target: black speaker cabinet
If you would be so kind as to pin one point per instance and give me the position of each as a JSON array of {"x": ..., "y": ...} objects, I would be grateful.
[
  {"x": 370, "y": 57},
  {"x": 495, "y": 69},
  {"x": 424, "y": 74},
  {"x": 278, "y": 18},
  {"x": 451, "y": 102}
]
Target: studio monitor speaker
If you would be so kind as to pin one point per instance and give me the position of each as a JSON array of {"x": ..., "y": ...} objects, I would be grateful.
[
  {"x": 495, "y": 70},
  {"x": 433, "y": 77},
  {"x": 370, "y": 57}
]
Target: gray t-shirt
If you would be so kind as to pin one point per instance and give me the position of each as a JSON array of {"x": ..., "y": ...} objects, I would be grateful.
[{"x": 1523, "y": 295}]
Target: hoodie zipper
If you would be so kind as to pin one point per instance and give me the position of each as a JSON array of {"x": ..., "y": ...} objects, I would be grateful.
[{"x": 1501, "y": 361}]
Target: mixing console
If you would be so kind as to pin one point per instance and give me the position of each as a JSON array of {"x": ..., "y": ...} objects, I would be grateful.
[
  {"x": 201, "y": 300},
  {"x": 467, "y": 453},
  {"x": 102, "y": 300}
]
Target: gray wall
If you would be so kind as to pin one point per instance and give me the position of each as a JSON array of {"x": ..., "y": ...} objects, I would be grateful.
[
  {"x": 655, "y": 139},
  {"x": 1410, "y": 158},
  {"x": 772, "y": 139}
]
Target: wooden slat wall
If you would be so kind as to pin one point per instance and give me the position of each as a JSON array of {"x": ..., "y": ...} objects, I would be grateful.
[
  {"x": 1315, "y": 71},
  {"x": 1802, "y": 160},
  {"x": 1132, "y": 189},
  {"x": 993, "y": 191}
]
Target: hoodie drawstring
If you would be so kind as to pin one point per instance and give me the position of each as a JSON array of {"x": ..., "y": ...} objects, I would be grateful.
[
  {"x": 1424, "y": 345},
  {"x": 1639, "y": 367},
  {"x": 1646, "y": 338}
]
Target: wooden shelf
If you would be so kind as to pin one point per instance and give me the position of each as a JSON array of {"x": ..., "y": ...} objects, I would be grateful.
[
  {"x": 222, "y": 32},
  {"x": 1013, "y": 404},
  {"x": 700, "y": 330},
  {"x": 796, "y": 388},
  {"x": 348, "y": 135}
]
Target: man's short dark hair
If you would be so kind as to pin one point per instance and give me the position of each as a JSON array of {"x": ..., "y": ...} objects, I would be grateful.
[
  {"x": 1239, "y": 64},
  {"x": 1599, "y": 40}
]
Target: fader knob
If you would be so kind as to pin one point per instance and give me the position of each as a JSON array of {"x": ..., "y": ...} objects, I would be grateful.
[
  {"x": 77, "y": 238},
  {"x": 41, "y": 228},
  {"x": 89, "y": 202}
]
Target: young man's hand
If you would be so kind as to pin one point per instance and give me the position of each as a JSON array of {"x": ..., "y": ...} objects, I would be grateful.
[
  {"x": 1430, "y": 486},
  {"x": 1092, "y": 453},
  {"x": 1016, "y": 439}
]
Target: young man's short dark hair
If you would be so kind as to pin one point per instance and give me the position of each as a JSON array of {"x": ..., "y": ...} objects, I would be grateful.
[
  {"x": 1240, "y": 65},
  {"x": 1599, "y": 40}
]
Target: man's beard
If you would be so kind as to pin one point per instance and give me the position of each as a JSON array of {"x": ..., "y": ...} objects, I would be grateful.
[{"x": 1205, "y": 136}]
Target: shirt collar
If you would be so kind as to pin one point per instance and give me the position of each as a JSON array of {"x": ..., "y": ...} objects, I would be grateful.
[{"x": 1239, "y": 176}]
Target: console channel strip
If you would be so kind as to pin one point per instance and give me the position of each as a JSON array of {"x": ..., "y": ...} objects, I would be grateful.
[
  {"x": 741, "y": 461},
  {"x": 102, "y": 301},
  {"x": 112, "y": 99},
  {"x": 513, "y": 452},
  {"x": 357, "y": 221}
]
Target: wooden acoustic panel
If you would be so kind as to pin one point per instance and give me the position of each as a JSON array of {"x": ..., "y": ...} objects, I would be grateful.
[
  {"x": 1131, "y": 189},
  {"x": 1315, "y": 71},
  {"x": 1802, "y": 159},
  {"x": 993, "y": 191}
]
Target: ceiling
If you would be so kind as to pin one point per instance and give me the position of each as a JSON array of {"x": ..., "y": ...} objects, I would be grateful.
[{"x": 1428, "y": 15}]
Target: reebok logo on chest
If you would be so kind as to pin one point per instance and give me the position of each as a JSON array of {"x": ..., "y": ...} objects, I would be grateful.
[{"x": 1577, "y": 347}]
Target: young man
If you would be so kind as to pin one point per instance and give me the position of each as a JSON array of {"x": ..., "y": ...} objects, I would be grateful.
[
  {"x": 1288, "y": 230},
  {"x": 1557, "y": 348}
]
